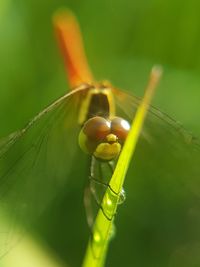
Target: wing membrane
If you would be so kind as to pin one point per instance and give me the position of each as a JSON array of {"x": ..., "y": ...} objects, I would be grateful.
[
  {"x": 34, "y": 165},
  {"x": 163, "y": 191}
]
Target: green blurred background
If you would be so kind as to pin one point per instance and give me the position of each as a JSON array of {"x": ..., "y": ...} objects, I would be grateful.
[{"x": 123, "y": 39}]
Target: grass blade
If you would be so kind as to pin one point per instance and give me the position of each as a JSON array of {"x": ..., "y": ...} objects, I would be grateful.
[{"x": 103, "y": 226}]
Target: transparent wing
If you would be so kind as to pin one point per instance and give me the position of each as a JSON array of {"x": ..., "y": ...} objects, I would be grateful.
[
  {"x": 163, "y": 191},
  {"x": 34, "y": 165}
]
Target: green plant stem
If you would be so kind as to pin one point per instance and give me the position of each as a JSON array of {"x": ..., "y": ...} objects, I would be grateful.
[{"x": 103, "y": 226}]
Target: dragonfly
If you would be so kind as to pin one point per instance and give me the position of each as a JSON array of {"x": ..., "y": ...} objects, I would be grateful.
[{"x": 96, "y": 116}]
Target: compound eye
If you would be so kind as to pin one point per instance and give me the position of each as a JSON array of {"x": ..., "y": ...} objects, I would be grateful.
[
  {"x": 120, "y": 128},
  {"x": 93, "y": 132},
  {"x": 96, "y": 128}
]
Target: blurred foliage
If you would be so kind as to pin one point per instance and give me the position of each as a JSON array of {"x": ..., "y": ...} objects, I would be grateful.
[{"x": 123, "y": 39}]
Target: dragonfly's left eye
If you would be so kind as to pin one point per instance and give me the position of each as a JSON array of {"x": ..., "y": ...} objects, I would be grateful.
[{"x": 103, "y": 138}]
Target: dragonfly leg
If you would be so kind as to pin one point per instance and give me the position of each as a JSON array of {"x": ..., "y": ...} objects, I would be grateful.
[
  {"x": 88, "y": 206},
  {"x": 98, "y": 190}
]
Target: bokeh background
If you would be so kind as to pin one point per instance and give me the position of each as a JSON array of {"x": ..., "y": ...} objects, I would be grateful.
[{"x": 123, "y": 39}]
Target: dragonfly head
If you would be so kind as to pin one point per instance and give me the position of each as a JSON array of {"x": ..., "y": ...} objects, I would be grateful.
[{"x": 103, "y": 138}]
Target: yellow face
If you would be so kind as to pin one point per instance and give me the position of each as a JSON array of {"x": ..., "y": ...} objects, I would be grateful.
[{"x": 106, "y": 151}]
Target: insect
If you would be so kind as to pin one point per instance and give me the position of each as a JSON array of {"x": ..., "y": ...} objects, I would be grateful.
[{"x": 97, "y": 116}]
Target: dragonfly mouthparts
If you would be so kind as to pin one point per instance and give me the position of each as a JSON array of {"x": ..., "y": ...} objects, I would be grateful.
[{"x": 111, "y": 138}]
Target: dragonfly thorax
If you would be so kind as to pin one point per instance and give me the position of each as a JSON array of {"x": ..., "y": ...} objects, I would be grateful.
[{"x": 98, "y": 101}]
